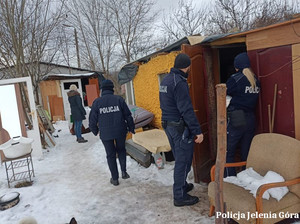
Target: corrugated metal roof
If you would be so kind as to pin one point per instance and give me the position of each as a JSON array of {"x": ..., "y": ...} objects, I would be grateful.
[
  {"x": 129, "y": 70},
  {"x": 213, "y": 38},
  {"x": 72, "y": 76}
]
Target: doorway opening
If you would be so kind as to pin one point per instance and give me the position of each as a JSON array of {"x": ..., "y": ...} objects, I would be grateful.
[{"x": 226, "y": 58}]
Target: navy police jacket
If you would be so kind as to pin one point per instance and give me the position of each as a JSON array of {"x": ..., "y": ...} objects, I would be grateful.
[
  {"x": 175, "y": 100},
  {"x": 244, "y": 97},
  {"x": 110, "y": 116}
]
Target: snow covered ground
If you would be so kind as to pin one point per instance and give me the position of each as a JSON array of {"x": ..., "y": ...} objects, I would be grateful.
[{"x": 72, "y": 180}]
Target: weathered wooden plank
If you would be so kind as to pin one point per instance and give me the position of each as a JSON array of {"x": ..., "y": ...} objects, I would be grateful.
[
  {"x": 221, "y": 151},
  {"x": 296, "y": 87},
  {"x": 277, "y": 36}
]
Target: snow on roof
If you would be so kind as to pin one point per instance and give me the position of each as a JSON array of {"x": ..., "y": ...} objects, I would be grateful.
[{"x": 71, "y": 76}]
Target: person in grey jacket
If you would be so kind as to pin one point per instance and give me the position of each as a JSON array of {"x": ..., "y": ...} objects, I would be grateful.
[{"x": 77, "y": 111}]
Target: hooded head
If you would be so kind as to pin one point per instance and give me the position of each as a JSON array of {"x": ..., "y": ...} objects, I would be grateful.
[
  {"x": 241, "y": 61},
  {"x": 107, "y": 85},
  {"x": 73, "y": 87},
  {"x": 182, "y": 61}
]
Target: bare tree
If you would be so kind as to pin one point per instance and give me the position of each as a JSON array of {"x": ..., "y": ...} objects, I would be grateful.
[
  {"x": 271, "y": 12},
  {"x": 132, "y": 20},
  {"x": 27, "y": 36},
  {"x": 66, "y": 53},
  {"x": 111, "y": 32},
  {"x": 240, "y": 15},
  {"x": 97, "y": 39},
  {"x": 185, "y": 20},
  {"x": 230, "y": 15}
]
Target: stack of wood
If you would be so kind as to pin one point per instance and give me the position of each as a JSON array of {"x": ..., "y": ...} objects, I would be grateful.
[{"x": 46, "y": 127}]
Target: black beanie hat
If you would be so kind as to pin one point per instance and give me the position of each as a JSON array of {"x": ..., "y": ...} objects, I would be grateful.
[
  {"x": 182, "y": 61},
  {"x": 107, "y": 85},
  {"x": 242, "y": 61}
]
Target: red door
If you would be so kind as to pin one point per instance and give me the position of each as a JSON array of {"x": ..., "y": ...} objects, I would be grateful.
[
  {"x": 201, "y": 160},
  {"x": 274, "y": 66}
]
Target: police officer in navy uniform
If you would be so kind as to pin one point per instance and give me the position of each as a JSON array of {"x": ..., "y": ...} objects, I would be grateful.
[
  {"x": 244, "y": 89},
  {"x": 181, "y": 126},
  {"x": 111, "y": 117}
]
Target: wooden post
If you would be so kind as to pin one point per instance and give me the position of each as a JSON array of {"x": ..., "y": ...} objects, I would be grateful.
[
  {"x": 221, "y": 150},
  {"x": 20, "y": 110},
  {"x": 269, "y": 118},
  {"x": 274, "y": 107},
  {"x": 77, "y": 47},
  {"x": 211, "y": 101}
]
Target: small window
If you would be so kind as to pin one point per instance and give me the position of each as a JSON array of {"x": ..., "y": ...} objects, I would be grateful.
[
  {"x": 161, "y": 77},
  {"x": 130, "y": 98}
]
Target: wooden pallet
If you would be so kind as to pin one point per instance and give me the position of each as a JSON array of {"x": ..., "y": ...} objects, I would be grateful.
[
  {"x": 45, "y": 119},
  {"x": 46, "y": 137}
]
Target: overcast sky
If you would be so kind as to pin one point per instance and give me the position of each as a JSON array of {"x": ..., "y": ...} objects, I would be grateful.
[
  {"x": 9, "y": 110},
  {"x": 166, "y": 4}
]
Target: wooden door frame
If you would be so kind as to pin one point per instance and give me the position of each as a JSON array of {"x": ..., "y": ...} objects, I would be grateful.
[
  {"x": 35, "y": 134},
  {"x": 65, "y": 97},
  {"x": 20, "y": 109},
  {"x": 209, "y": 58},
  {"x": 199, "y": 174}
]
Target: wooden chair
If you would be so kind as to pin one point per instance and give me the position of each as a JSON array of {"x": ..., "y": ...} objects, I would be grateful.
[{"x": 270, "y": 151}]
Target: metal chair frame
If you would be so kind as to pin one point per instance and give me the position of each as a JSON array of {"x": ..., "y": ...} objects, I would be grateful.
[{"x": 12, "y": 166}]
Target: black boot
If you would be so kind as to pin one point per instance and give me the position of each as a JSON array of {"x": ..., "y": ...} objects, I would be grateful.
[
  {"x": 114, "y": 182},
  {"x": 188, "y": 200},
  {"x": 189, "y": 187},
  {"x": 125, "y": 175}
]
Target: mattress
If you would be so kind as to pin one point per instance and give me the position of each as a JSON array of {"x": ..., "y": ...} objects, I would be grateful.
[
  {"x": 154, "y": 140},
  {"x": 141, "y": 117},
  {"x": 138, "y": 153}
]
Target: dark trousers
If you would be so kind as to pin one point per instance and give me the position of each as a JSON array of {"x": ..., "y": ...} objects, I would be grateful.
[
  {"x": 182, "y": 149},
  {"x": 242, "y": 135},
  {"x": 112, "y": 148}
]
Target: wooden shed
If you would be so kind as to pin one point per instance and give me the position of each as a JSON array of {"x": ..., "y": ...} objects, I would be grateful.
[
  {"x": 54, "y": 90},
  {"x": 142, "y": 80},
  {"x": 274, "y": 52}
]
